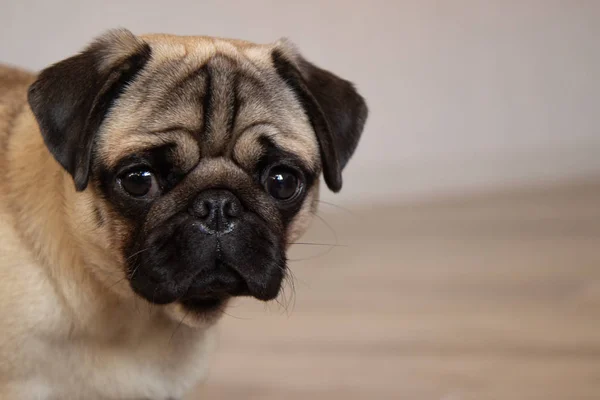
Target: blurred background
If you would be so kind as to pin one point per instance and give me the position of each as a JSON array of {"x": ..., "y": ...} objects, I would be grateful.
[{"x": 462, "y": 258}]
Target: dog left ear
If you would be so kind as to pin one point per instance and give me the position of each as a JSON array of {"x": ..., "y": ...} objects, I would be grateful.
[
  {"x": 336, "y": 110},
  {"x": 71, "y": 98}
]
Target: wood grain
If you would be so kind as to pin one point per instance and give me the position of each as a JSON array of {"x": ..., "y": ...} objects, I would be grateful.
[{"x": 483, "y": 297}]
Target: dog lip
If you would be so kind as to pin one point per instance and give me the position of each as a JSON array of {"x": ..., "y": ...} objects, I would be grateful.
[
  {"x": 220, "y": 281},
  {"x": 213, "y": 232},
  {"x": 203, "y": 304}
]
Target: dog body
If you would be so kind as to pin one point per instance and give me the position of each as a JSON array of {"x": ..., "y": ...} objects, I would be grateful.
[{"x": 144, "y": 182}]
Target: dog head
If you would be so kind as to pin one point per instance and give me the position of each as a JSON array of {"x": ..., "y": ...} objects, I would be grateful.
[{"x": 200, "y": 157}]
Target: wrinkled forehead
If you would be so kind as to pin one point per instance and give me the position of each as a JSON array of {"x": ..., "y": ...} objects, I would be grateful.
[{"x": 211, "y": 98}]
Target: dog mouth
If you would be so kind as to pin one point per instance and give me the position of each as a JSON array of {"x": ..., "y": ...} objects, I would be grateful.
[
  {"x": 202, "y": 272},
  {"x": 209, "y": 290},
  {"x": 204, "y": 304},
  {"x": 212, "y": 296}
]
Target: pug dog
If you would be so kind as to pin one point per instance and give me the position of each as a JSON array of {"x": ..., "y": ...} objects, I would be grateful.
[{"x": 144, "y": 182}]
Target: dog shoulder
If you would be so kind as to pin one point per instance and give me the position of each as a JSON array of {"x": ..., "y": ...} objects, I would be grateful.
[{"x": 28, "y": 304}]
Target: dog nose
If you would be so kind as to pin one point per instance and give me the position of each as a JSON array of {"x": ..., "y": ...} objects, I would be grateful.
[{"x": 217, "y": 211}]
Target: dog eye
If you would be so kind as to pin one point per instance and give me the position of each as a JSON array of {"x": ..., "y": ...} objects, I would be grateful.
[
  {"x": 139, "y": 183},
  {"x": 283, "y": 183}
]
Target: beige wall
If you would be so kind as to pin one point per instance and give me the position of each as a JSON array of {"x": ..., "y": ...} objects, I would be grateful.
[{"x": 463, "y": 94}]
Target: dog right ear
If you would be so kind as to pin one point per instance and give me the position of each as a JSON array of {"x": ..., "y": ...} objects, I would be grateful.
[
  {"x": 71, "y": 98},
  {"x": 335, "y": 108}
]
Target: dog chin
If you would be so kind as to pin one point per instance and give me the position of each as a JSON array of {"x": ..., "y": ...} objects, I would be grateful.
[{"x": 202, "y": 317}]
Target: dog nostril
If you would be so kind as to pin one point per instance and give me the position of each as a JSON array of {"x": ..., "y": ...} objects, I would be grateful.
[
  {"x": 232, "y": 209},
  {"x": 203, "y": 209}
]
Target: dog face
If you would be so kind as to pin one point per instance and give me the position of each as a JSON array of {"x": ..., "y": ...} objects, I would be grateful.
[{"x": 200, "y": 157}]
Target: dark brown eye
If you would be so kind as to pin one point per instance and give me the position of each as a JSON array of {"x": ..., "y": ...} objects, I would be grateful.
[
  {"x": 139, "y": 183},
  {"x": 283, "y": 183}
]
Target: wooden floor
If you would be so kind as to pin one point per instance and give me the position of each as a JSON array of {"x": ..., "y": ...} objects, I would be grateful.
[{"x": 487, "y": 297}]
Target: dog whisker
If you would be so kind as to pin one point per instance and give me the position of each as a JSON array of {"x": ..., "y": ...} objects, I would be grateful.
[
  {"x": 320, "y": 244},
  {"x": 125, "y": 277},
  {"x": 283, "y": 300},
  {"x": 137, "y": 253},
  {"x": 330, "y": 246},
  {"x": 347, "y": 210},
  {"x": 333, "y": 232},
  {"x": 117, "y": 282},
  {"x": 324, "y": 253},
  {"x": 222, "y": 309},
  {"x": 280, "y": 304},
  {"x": 136, "y": 304},
  {"x": 290, "y": 278},
  {"x": 134, "y": 271},
  {"x": 178, "y": 326}
]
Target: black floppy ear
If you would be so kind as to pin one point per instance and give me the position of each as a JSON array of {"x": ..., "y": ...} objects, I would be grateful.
[
  {"x": 336, "y": 110},
  {"x": 71, "y": 98}
]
